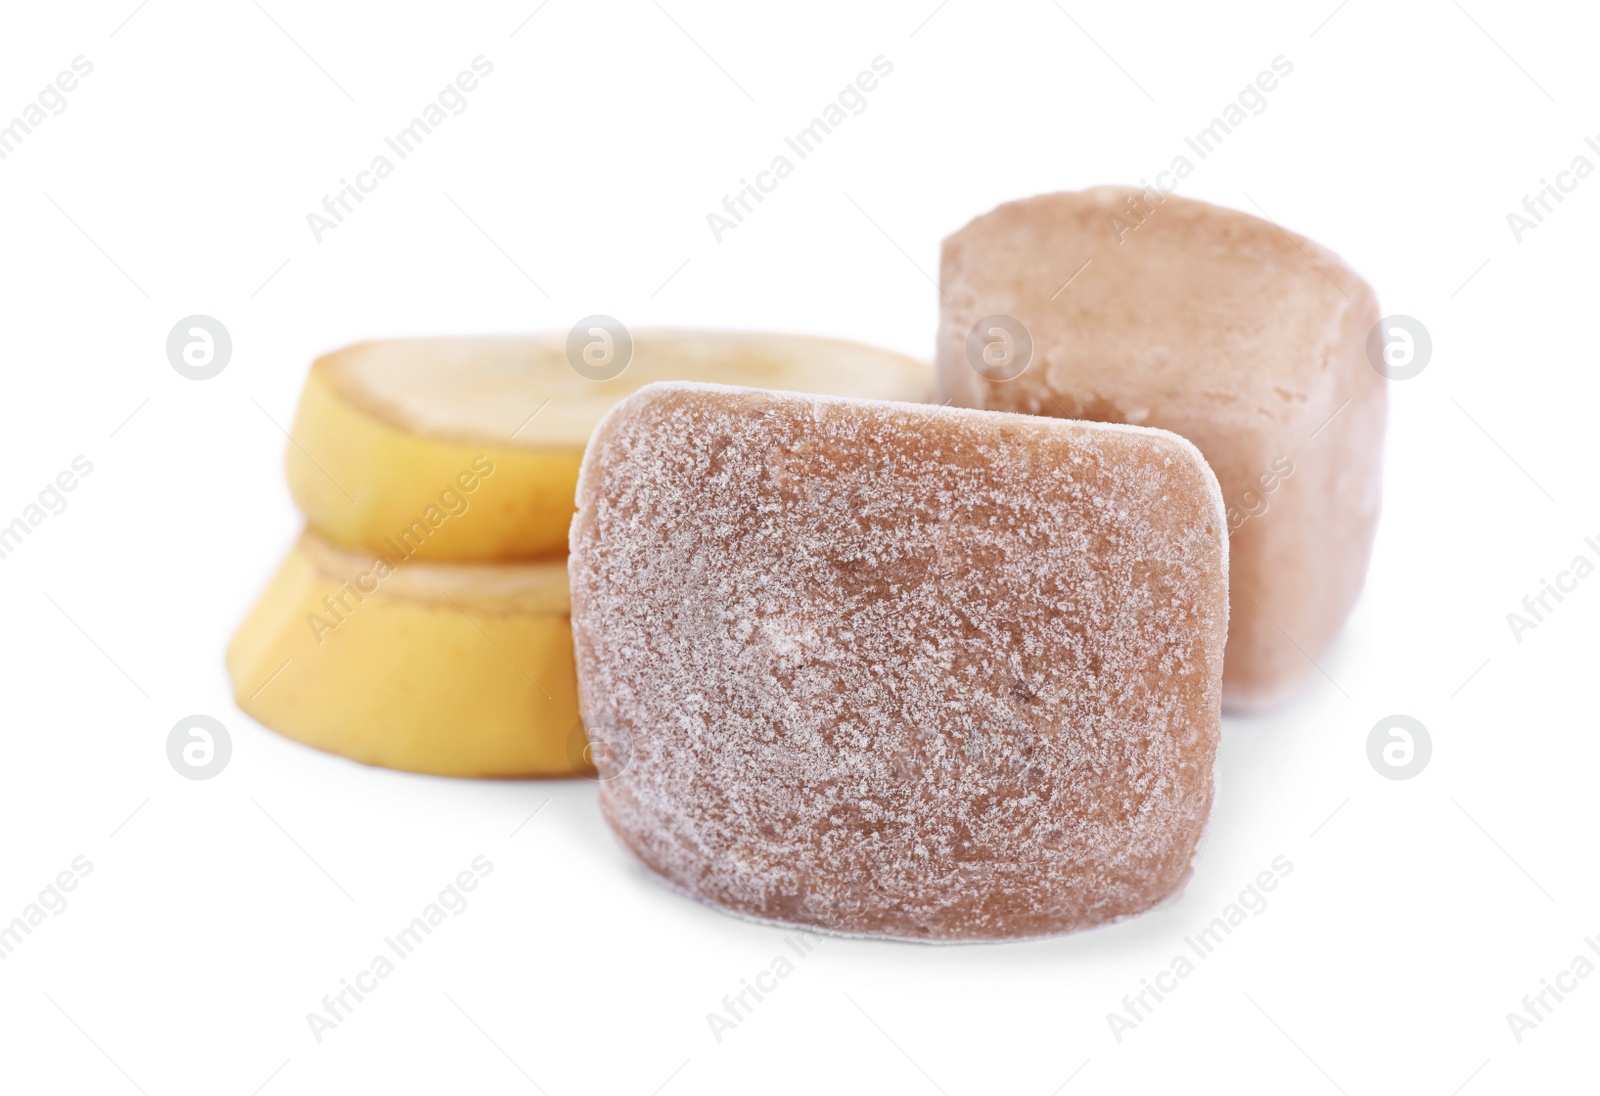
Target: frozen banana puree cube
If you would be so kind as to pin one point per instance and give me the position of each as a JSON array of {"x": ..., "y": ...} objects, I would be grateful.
[
  {"x": 1135, "y": 306},
  {"x": 899, "y": 670}
]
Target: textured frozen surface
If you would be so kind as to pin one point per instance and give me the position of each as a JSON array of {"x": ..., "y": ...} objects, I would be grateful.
[
  {"x": 899, "y": 670},
  {"x": 1246, "y": 339}
]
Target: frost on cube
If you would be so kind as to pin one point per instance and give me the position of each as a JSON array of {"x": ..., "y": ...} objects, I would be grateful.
[
  {"x": 1120, "y": 305},
  {"x": 900, "y": 670}
]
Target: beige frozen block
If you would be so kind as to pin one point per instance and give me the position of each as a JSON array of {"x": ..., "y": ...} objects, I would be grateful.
[
  {"x": 1246, "y": 339},
  {"x": 899, "y": 671}
]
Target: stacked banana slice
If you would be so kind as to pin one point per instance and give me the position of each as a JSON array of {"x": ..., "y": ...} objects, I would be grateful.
[{"x": 420, "y": 622}]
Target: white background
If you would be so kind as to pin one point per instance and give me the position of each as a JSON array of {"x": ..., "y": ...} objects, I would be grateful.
[{"x": 178, "y": 180}]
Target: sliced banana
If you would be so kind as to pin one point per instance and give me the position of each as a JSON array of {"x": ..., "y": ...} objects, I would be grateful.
[
  {"x": 468, "y": 448},
  {"x": 451, "y": 669}
]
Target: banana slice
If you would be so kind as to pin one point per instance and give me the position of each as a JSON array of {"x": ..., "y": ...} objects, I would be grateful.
[
  {"x": 451, "y": 669},
  {"x": 468, "y": 448}
]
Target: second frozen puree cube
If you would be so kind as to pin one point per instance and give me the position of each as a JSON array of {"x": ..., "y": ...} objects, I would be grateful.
[
  {"x": 1247, "y": 340},
  {"x": 899, "y": 670}
]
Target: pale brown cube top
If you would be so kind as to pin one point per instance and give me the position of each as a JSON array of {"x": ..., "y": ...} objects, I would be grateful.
[
  {"x": 895, "y": 669},
  {"x": 1245, "y": 338},
  {"x": 1202, "y": 320}
]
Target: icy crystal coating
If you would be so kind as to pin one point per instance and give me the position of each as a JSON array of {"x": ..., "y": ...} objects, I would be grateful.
[{"x": 899, "y": 670}]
